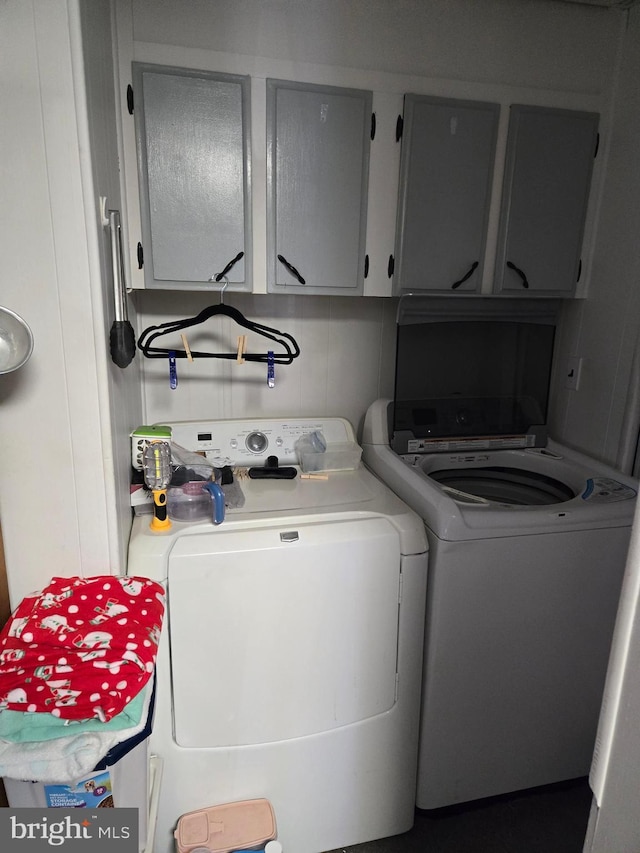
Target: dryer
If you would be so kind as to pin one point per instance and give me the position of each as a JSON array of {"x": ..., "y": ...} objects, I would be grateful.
[
  {"x": 290, "y": 666},
  {"x": 528, "y": 543}
]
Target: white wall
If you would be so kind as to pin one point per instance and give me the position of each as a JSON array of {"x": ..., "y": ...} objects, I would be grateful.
[
  {"x": 604, "y": 328},
  {"x": 545, "y": 44},
  {"x": 121, "y": 401},
  {"x": 347, "y": 355},
  {"x": 56, "y": 463}
]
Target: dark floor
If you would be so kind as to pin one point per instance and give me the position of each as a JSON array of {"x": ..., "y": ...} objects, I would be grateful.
[{"x": 542, "y": 820}]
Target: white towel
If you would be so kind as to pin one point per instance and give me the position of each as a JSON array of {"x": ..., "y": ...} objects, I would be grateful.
[{"x": 66, "y": 759}]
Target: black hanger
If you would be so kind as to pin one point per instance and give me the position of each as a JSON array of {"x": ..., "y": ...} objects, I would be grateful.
[{"x": 286, "y": 341}]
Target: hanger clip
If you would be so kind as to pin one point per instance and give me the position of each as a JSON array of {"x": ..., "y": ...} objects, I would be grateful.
[
  {"x": 271, "y": 370},
  {"x": 187, "y": 349},
  {"x": 242, "y": 343},
  {"x": 173, "y": 372}
]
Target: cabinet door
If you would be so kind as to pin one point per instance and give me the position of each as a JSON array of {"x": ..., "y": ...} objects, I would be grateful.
[
  {"x": 317, "y": 176},
  {"x": 192, "y": 131},
  {"x": 548, "y": 168},
  {"x": 446, "y": 167}
]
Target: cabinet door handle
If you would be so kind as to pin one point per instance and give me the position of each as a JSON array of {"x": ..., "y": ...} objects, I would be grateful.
[
  {"x": 513, "y": 267},
  {"x": 294, "y": 272},
  {"x": 465, "y": 277},
  {"x": 219, "y": 276}
]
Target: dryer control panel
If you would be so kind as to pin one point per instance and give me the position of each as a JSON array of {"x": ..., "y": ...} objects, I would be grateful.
[{"x": 250, "y": 442}]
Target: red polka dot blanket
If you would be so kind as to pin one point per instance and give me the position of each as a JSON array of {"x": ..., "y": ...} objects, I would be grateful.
[{"x": 82, "y": 647}]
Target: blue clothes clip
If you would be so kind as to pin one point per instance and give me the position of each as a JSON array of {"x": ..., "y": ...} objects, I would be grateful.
[
  {"x": 217, "y": 498},
  {"x": 271, "y": 369},
  {"x": 173, "y": 373}
]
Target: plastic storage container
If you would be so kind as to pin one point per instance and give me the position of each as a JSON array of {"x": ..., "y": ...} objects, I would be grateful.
[
  {"x": 189, "y": 502},
  {"x": 226, "y": 828},
  {"x": 123, "y": 784},
  {"x": 339, "y": 456}
]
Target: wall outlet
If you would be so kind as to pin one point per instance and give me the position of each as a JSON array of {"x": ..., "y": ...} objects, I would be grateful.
[{"x": 574, "y": 370}]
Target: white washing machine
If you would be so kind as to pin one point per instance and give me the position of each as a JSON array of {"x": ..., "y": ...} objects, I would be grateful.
[
  {"x": 290, "y": 664},
  {"x": 527, "y": 540},
  {"x": 521, "y": 605}
]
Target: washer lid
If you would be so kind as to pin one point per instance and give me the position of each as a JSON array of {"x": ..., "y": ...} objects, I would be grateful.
[{"x": 472, "y": 371}]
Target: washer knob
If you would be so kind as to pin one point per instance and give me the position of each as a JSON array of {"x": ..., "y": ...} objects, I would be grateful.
[{"x": 256, "y": 442}]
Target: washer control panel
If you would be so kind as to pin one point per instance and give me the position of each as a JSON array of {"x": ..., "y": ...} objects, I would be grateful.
[
  {"x": 244, "y": 442},
  {"x": 606, "y": 490}
]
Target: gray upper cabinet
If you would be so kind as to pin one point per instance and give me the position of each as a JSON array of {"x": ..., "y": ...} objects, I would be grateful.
[
  {"x": 550, "y": 154},
  {"x": 192, "y": 131},
  {"x": 318, "y": 141},
  {"x": 446, "y": 168}
]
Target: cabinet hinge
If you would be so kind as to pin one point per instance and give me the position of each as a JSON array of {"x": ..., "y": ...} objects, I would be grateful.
[
  {"x": 400, "y": 587},
  {"x": 395, "y": 692},
  {"x": 373, "y": 126},
  {"x": 390, "y": 266},
  {"x": 579, "y": 269},
  {"x": 366, "y": 266},
  {"x": 130, "y": 99},
  {"x": 595, "y": 153},
  {"x": 140, "y": 252},
  {"x": 399, "y": 126}
]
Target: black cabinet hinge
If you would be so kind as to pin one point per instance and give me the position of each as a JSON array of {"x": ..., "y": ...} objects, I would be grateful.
[
  {"x": 366, "y": 265},
  {"x": 373, "y": 126},
  {"x": 579, "y": 269},
  {"x": 130, "y": 99},
  {"x": 140, "y": 253},
  {"x": 399, "y": 126},
  {"x": 391, "y": 266},
  {"x": 595, "y": 153}
]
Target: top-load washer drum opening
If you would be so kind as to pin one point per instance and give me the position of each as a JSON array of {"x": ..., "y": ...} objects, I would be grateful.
[{"x": 497, "y": 484}]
